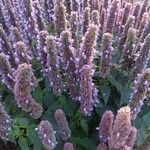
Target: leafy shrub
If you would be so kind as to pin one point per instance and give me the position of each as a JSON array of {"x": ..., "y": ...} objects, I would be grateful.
[{"x": 75, "y": 74}]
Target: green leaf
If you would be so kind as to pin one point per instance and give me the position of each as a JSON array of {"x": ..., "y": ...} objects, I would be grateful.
[
  {"x": 114, "y": 82},
  {"x": 23, "y": 143},
  {"x": 34, "y": 139},
  {"x": 23, "y": 122},
  {"x": 49, "y": 99},
  {"x": 87, "y": 143},
  {"x": 84, "y": 126},
  {"x": 142, "y": 123},
  {"x": 125, "y": 94},
  {"x": 105, "y": 90}
]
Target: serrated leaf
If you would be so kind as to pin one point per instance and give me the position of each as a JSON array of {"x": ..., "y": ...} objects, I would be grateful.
[
  {"x": 23, "y": 143},
  {"x": 87, "y": 143},
  {"x": 84, "y": 126},
  {"x": 114, "y": 82},
  {"x": 23, "y": 122},
  {"x": 34, "y": 139},
  {"x": 125, "y": 94},
  {"x": 105, "y": 90}
]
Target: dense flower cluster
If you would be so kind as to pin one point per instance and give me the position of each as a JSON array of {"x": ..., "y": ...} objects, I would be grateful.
[
  {"x": 5, "y": 125},
  {"x": 62, "y": 123},
  {"x": 118, "y": 133},
  {"x": 47, "y": 135}
]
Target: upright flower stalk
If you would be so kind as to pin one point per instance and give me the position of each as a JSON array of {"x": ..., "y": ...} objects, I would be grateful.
[
  {"x": 87, "y": 46},
  {"x": 142, "y": 58},
  {"x": 112, "y": 16},
  {"x": 21, "y": 53},
  {"x": 6, "y": 72},
  {"x": 62, "y": 123},
  {"x": 86, "y": 98},
  {"x": 86, "y": 20},
  {"x": 128, "y": 51},
  {"x": 22, "y": 89},
  {"x": 41, "y": 49},
  {"x": 69, "y": 64},
  {"x": 47, "y": 135},
  {"x": 60, "y": 16},
  {"x": 118, "y": 133},
  {"x": 52, "y": 64},
  {"x": 68, "y": 146},
  {"x": 5, "y": 125},
  {"x": 74, "y": 29},
  {"x": 138, "y": 96},
  {"x": 106, "y": 54}
]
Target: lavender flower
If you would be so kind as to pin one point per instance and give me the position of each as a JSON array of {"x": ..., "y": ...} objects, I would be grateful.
[
  {"x": 105, "y": 127},
  {"x": 143, "y": 22},
  {"x": 136, "y": 11},
  {"x": 138, "y": 96},
  {"x": 21, "y": 53},
  {"x": 102, "y": 146},
  {"x": 39, "y": 15},
  {"x": 142, "y": 58},
  {"x": 60, "y": 17},
  {"x": 103, "y": 17},
  {"x": 53, "y": 70},
  {"x": 74, "y": 28},
  {"x": 128, "y": 51},
  {"x": 36, "y": 111},
  {"x": 131, "y": 139},
  {"x": 75, "y": 5},
  {"x": 47, "y": 135},
  {"x": 6, "y": 46},
  {"x": 86, "y": 91},
  {"x": 22, "y": 87},
  {"x": 15, "y": 35},
  {"x": 106, "y": 54},
  {"x": 86, "y": 19},
  {"x": 69, "y": 64},
  {"x": 68, "y": 146},
  {"x": 4, "y": 25},
  {"x": 62, "y": 123},
  {"x": 112, "y": 16},
  {"x": 127, "y": 26},
  {"x": 127, "y": 11},
  {"x": 68, "y": 4},
  {"x": 9, "y": 14},
  {"x": 95, "y": 18},
  {"x": 121, "y": 129},
  {"x": 142, "y": 10},
  {"x": 6, "y": 72},
  {"x": 41, "y": 48},
  {"x": 87, "y": 46},
  {"x": 48, "y": 7},
  {"x": 5, "y": 125}
]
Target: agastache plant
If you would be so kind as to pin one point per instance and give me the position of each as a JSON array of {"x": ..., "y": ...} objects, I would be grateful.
[
  {"x": 60, "y": 16},
  {"x": 53, "y": 70},
  {"x": 62, "y": 123},
  {"x": 6, "y": 72},
  {"x": 86, "y": 98},
  {"x": 68, "y": 146},
  {"x": 47, "y": 135},
  {"x": 22, "y": 89},
  {"x": 106, "y": 54},
  {"x": 69, "y": 64},
  {"x": 59, "y": 59},
  {"x": 139, "y": 95},
  {"x": 5, "y": 125},
  {"x": 118, "y": 133}
]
